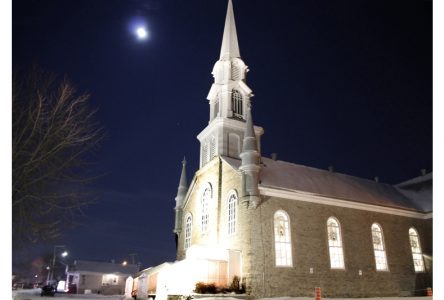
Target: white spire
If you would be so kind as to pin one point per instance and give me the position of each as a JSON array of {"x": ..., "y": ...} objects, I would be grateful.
[
  {"x": 183, "y": 187},
  {"x": 249, "y": 143},
  {"x": 181, "y": 193},
  {"x": 230, "y": 46}
]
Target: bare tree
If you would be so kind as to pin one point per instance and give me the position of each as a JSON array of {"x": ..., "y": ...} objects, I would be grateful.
[{"x": 53, "y": 134}]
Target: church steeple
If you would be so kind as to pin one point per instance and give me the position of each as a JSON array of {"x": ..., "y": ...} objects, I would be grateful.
[
  {"x": 180, "y": 197},
  {"x": 229, "y": 98},
  {"x": 230, "y": 46}
]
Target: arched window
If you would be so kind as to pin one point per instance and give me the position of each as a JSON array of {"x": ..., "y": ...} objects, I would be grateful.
[
  {"x": 418, "y": 261},
  {"x": 282, "y": 239},
  {"x": 205, "y": 203},
  {"x": 236, "y": 104},
  {"x": 188, "y": 226},
  {"x": 379, "y": 248},
  {"x": 232, "y": 202},
  {"x": 335, "y": 244}
]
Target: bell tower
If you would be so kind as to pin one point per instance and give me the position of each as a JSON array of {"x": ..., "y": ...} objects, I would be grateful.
[{"x": 229, "y": 99}]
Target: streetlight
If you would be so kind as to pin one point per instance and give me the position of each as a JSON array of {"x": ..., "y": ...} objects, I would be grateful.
[{"x": 51, "y": 270}]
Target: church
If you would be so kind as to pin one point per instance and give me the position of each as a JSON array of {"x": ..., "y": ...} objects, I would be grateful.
[{"x": 285, "y": 229}]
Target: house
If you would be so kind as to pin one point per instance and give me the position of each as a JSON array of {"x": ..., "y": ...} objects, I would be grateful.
[
  {"x": 284, "y": 228},
  {"x": 98, "y": 277}
]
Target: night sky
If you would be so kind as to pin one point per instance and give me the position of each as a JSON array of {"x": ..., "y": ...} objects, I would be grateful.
[{"x": 341, "y": 83}]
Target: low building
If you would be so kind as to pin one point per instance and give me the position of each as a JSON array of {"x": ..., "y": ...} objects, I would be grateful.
[{"x": 98, "y": 277}]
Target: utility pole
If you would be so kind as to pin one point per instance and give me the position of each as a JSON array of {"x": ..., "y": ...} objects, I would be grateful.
[{"x": 51, "y": 270}]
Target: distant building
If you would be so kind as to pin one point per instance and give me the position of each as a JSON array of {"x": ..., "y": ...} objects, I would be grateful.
[
  {"x": 98, "y": 277},
  {"x": 284, "y": 228}
]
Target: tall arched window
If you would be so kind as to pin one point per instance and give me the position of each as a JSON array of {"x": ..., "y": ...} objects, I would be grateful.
[
  {"x": 282, "y": 239},
  {"x": 236, "y": 104},
  {"x": 335, "y": 244},
  {"x": 188, "y": 226},
  {"x": 379, "y": 248},
  {"x": 418, "y": 261},
  {"x": 205, "y": 203},
  {"x": 232, "y": 202}
]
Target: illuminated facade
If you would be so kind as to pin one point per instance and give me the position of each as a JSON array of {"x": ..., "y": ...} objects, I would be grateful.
[{"x": 283, "y": 228}]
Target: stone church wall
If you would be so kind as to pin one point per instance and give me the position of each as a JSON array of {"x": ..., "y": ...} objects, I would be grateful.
[
  {"x": 208, "y": 174},
  {"x": 310, "y": 250},
  {"x": 223, "y": 180}
]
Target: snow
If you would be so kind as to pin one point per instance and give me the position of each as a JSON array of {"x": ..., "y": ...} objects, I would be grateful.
[
  {"x": 35, "y": 294},
  {"x": 312, "y": 298}
]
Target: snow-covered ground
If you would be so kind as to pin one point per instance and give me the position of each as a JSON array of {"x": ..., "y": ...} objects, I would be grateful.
[{"x": 35, "y": 294}]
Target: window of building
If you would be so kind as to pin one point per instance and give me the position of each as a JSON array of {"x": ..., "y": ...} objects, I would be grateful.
[
  {"x": 205, "y": 202},
  {"x": 109, "y": 279},
  {"x": 379, "y": 248},
  {"x": 188, "y": 224},
  {"x": 282, "y": 239},
  {"x": 232, "y": 202},
  {"x": 335, "y": 244},
  {"x": 418, "y": 261},
  {"x": 236, "y": 104}
]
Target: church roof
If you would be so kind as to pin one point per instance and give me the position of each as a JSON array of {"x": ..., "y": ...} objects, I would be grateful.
[
  {"x": 419, "y": 189},
  {"x": 288, "y": 176}
]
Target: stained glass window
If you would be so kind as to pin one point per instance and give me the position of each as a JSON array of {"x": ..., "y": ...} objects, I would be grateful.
[
  {"x": 335, "y": 244},
  {"x": 418, "y": 261},
  {"x": 282, "y": 239},
  {"x": 379, "y": 248}
]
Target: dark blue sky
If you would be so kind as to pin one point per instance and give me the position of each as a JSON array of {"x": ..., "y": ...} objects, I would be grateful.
[{"x": 342, "y": 83}]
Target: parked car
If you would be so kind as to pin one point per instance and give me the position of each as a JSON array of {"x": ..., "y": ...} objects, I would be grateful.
[{"x": 48, "y": 290}]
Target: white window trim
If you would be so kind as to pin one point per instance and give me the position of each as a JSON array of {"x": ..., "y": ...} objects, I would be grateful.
[
  {"x": 420, "y": 250},
  {"x": 187, "y": 239},
  {"x": 384, "y": 250},
  {"x": 236, "y": 201},
  {"x": 341, "y": 247},
  {"x": 290, "y": 265},
  {"x": 205, "y": 187}
]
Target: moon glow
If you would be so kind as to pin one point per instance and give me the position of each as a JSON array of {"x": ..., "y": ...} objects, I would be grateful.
[{"x": 141, "y": 33}]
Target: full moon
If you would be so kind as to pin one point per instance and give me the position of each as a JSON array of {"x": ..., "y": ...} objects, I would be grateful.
[{"x": 141, "y": 33}]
